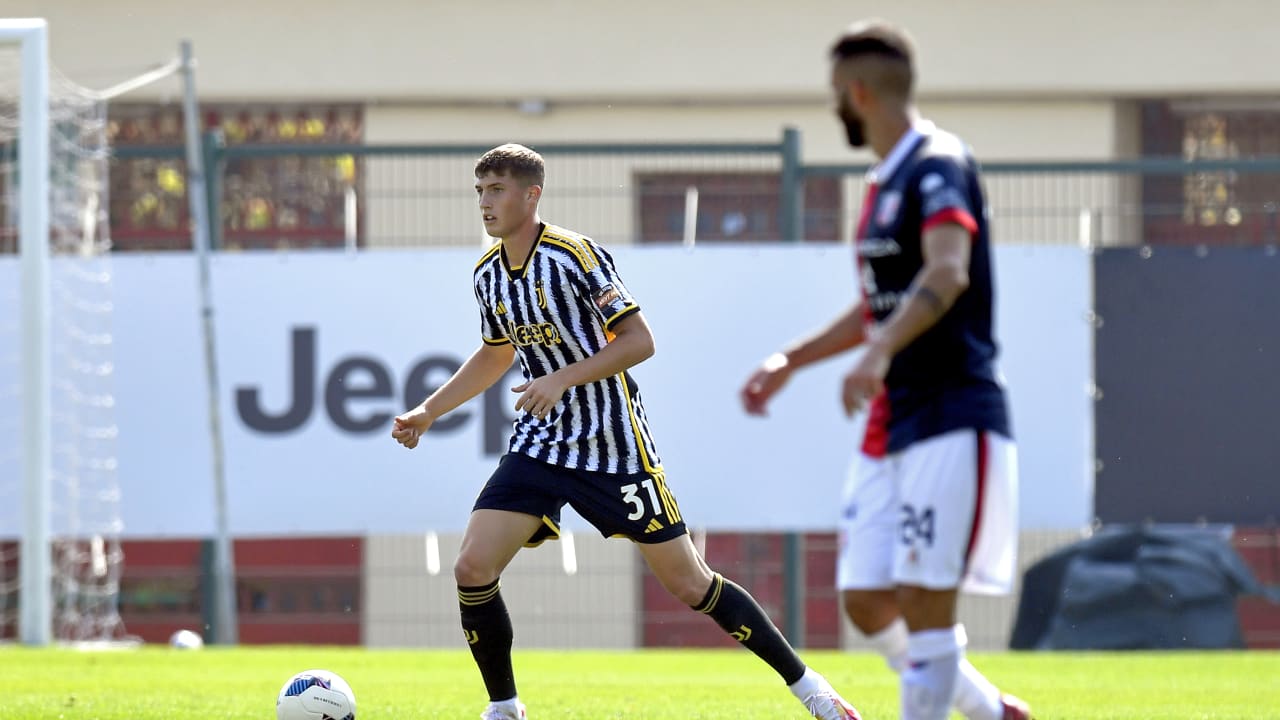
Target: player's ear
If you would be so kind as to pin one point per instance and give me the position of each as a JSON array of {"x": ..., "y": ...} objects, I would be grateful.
[
  {"x": 859, "y": 92},
  {"x": 535, "y": 193}
]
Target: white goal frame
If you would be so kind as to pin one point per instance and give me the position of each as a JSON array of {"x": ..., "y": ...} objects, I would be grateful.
[
  {"x": 36, "y": 572},
  {"x": 31, "y": 36}
]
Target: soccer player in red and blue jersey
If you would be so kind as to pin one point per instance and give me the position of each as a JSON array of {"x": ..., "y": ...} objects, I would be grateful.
[{"x": 931, "y": 507}]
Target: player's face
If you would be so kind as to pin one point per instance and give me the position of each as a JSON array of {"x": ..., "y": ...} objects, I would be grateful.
[
  {"x": 853, "y": 129},
  {"x": 505, "y": 203},
  {"x": 841, "y": 86}
]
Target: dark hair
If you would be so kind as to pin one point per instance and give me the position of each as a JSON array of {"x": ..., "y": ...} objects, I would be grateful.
[
  {"x": 873, "y": 37},
  {"x": 878, "y": 39},
  {"x": 516, "y": 161}
]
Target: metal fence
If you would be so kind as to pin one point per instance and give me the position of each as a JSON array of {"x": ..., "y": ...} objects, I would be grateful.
[
  {"x": 301, "y": 196},
  {"x": 318, "y": 195},
  {"x": 1101, "y": 203}
]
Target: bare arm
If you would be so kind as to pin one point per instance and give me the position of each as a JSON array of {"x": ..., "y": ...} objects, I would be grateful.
[
  {"x": 942, "y": 279},
  {"x": 632, "y": 344},
  {"x": 936, "y": 287},
  {"x": 844, "y": 333},
  {"x": 484, "y": 368}
]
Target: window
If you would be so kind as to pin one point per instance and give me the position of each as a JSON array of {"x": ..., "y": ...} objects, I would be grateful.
[
  {"x": 267, "y": 200},
  {"x": 265, "y": 593},
  {"x": 1215, "y": 206},
  {"x": 732, "y": 207},
  {"x": 144, "y": 594}
]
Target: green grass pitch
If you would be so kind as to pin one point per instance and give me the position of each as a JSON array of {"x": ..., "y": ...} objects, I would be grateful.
[{"x": 157, "y": 683}]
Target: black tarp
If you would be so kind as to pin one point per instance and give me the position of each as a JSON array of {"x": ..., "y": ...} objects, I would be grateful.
[{"x": 1134, "y": 588}]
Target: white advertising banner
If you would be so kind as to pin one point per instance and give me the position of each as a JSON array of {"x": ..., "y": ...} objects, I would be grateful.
[{"x": 317, "y": 351}]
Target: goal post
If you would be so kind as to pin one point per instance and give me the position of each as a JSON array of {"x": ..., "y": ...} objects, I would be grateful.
[
  {"x": 61, "y": 521},
  {"x": 35, "y": 586}
]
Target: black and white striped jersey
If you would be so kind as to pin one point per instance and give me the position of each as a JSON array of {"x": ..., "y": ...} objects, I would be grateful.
[{"x": 558, "y": 308}]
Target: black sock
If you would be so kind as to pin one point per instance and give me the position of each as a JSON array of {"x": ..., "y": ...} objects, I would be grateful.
[
  {"x": 487, "y": 627},
  {"x": 738, "y": 614}
]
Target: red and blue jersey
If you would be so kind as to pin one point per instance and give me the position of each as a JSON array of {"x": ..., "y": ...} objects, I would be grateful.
[{"x": 946, "y": 379}]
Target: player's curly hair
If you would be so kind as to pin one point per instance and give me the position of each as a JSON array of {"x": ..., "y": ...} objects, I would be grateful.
[{"x": 515, "y": 161}]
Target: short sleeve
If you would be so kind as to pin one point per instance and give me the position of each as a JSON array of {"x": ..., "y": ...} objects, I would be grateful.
[
  {"x": 943, "y": 187},
  {"x": 605, "y": 290},
  {"x": 491, "y": 328}
]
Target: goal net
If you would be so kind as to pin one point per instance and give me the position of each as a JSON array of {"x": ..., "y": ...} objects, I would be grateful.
[{"x": 83, "y": 512}]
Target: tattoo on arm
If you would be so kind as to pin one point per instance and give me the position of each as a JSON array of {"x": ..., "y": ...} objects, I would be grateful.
[{"x": 924, "y": 293}]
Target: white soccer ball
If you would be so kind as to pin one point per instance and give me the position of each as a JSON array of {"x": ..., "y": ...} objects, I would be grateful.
[
  {"x": 186, "y": 640},
  {"x": 316, "y": 695}
]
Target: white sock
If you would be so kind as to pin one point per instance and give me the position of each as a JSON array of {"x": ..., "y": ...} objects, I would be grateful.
[
  {"x": 933, "y": 667},
  {"x": 891, "y": 642},
  {"x": 808, "y": 684},
  {"x": 976, "y": 698}
]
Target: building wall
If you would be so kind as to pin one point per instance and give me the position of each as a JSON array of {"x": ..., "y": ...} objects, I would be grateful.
[
  {"x": 1019, "y": 80},
  {"x": 593, "y": 602},
  {"x": 610, "y": 601},
  {"x": 1043, "y": 81},
  {"x": 410, "y": 50},
  {"x": 997, "y": 130},
  {"x": 382, "y": 591}
]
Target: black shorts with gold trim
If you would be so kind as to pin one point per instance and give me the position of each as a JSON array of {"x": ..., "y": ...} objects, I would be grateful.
[{"x": 638, "y": 507}]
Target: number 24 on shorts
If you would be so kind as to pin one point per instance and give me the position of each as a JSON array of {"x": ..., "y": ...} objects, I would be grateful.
[{"x": 917, "y": 525}]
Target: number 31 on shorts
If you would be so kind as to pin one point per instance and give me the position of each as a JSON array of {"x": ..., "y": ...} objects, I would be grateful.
[{"x": 631, "y": 496}]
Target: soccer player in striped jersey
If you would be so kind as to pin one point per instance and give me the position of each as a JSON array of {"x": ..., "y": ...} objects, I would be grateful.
[
  {"x": 931, "y": 503},
  {"x": 554, "y": 299}
]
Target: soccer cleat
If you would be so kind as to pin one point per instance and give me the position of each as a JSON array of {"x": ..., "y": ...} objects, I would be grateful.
[
  {"x": 826, "y": 704},
  {"x": 1014, "y": 708},
  {"x": 505, "y": 710}
]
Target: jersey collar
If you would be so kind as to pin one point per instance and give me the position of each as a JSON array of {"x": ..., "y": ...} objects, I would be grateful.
[
  {"x": 519, "y": 271},
  {"x": 883, "y": 170}
]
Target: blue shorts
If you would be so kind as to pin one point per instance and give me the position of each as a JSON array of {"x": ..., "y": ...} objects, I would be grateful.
[{"x": 638, "y": 507}]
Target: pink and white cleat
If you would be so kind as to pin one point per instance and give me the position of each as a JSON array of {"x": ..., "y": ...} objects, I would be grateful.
[
  {"x": 1014, "y": 708},
  {"x": 826, "y": 704}
]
